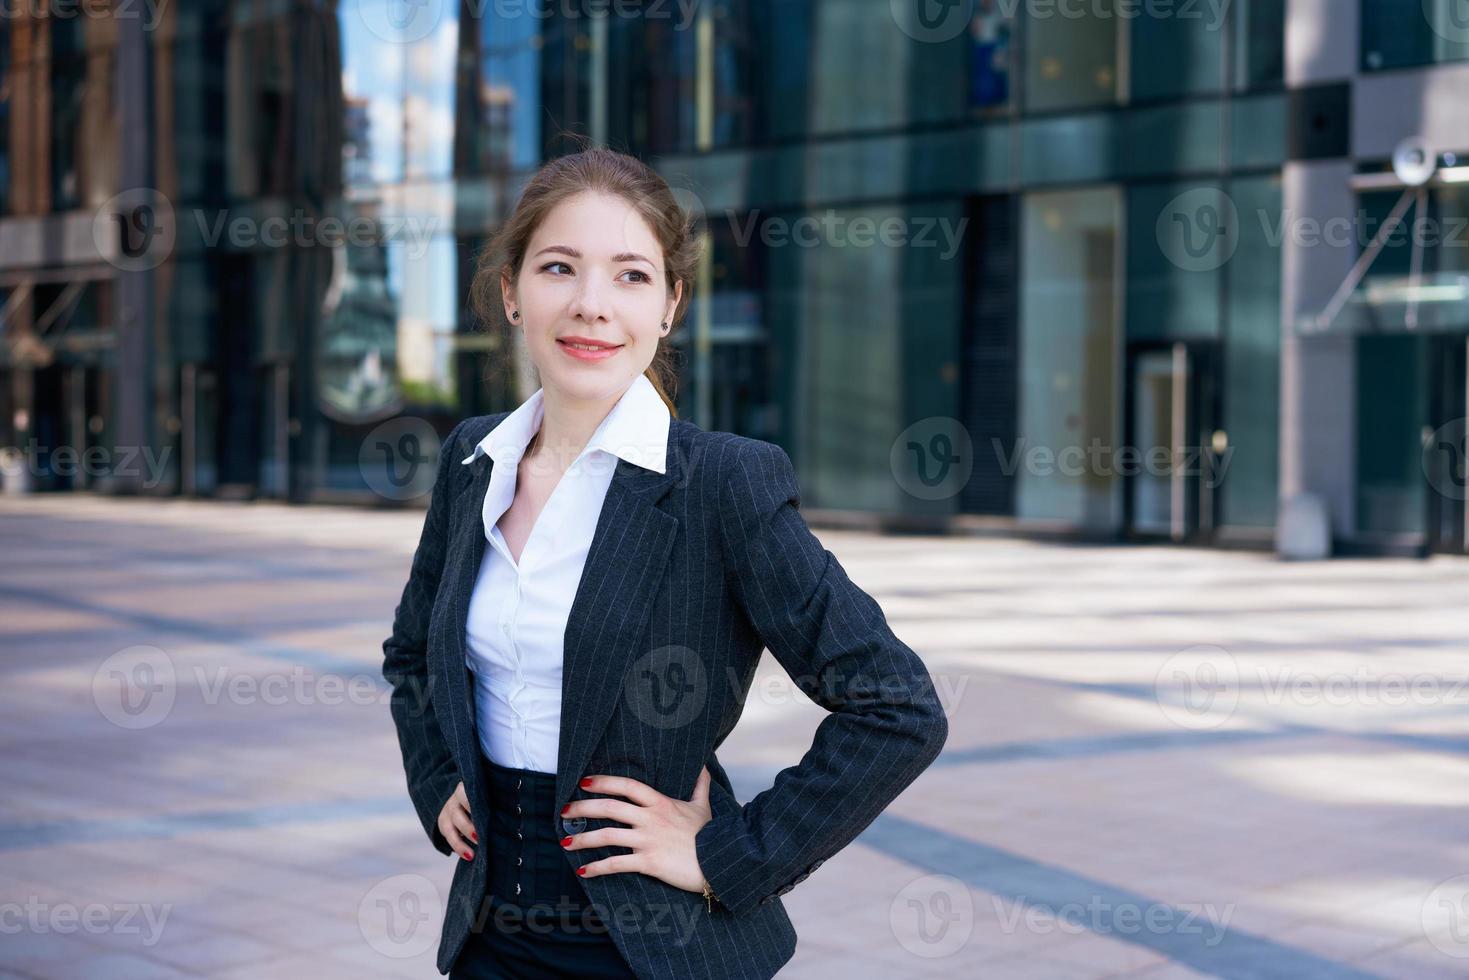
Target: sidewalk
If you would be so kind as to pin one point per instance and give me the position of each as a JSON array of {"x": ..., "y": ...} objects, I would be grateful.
[{"x": 1162, "y": 762}]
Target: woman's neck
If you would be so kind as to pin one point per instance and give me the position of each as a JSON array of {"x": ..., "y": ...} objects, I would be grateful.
[{"x": 565, "y": 430}]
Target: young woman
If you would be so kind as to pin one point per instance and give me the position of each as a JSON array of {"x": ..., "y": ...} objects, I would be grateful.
[{"x": 594, "y": 586}]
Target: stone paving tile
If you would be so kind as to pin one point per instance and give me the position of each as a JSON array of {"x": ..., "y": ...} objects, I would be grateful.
[{"x": 1070, "y": 772}]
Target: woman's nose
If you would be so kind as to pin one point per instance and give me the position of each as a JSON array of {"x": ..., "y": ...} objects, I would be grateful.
[{"x": 590, "y": 301}]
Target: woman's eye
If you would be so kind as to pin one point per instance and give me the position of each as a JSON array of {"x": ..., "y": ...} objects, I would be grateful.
[
  {"x": 637, "y": 272},
  {"x": 549, "y": 264}
]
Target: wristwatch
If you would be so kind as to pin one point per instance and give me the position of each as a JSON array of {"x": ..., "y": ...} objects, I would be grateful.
[{"x": 709, "y": 897}]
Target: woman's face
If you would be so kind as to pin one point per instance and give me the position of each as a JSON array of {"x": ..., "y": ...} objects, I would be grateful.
[{"x": 593, "y": 273}]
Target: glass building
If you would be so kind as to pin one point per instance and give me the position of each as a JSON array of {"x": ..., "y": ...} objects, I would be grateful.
[{"x": 1064, "y": 245}]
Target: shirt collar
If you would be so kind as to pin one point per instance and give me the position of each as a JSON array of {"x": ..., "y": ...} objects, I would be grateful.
[{"x": 635, "y": 430}]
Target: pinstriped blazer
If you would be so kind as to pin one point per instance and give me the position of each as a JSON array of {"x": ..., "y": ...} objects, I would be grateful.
[{"x": 692, "y": 573}]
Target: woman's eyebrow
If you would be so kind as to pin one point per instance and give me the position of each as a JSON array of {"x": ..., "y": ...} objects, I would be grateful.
[{"x": 619, "y": 257}]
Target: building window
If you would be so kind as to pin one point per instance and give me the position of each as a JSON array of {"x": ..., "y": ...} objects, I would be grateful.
[{"x": 1401, "y": 34}]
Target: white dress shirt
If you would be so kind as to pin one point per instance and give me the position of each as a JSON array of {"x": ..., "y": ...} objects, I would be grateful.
[{"x": 516, "y": 626}]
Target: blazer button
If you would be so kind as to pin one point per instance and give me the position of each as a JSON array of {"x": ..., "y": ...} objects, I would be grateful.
[{"x": 573, "y": 825}]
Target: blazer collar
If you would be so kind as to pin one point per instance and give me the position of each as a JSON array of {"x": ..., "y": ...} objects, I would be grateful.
[{"x": 636, "y": 429}]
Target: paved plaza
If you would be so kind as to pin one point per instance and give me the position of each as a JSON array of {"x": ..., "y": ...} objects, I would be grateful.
[{"x": 1162, "y": 762}]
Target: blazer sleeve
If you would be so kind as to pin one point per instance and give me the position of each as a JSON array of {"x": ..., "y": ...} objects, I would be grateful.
[
  {"x": 428, "y": 763},
  {"x": 885, "y": 726}
]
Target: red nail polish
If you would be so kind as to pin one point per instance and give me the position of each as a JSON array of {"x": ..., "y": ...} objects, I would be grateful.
[
  {"x": 582, "y": 871},
  {"x": 566, "y": 842},
  {"x": 467, "y": 857},
  {"x": 565, "y": 808},
  {"x": 586, "y": 782},
  {"x": 474, "y": 837}
]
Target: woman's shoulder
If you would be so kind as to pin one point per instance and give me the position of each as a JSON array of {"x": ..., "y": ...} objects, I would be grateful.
[
  {"x": 725, "y": 456},
  {"x": 468, "y": 432}
]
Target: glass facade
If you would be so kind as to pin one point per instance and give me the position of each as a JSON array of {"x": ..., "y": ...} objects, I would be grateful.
[{"x": 977, "y": 221}]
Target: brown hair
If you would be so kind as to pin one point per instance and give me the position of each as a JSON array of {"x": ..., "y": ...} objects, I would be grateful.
[{"x": 610, "y": 172}]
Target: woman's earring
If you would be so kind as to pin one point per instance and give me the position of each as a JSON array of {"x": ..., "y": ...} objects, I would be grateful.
[
  {"x": 515, "y": 315},
  {"x": 665, "y": 326}
]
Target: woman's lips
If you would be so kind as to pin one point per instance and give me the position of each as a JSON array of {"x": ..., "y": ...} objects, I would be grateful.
[{"x": 583, "y": 354}]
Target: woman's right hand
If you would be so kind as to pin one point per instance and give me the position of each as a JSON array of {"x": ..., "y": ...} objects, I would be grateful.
[{"x": 455, "y": 824}]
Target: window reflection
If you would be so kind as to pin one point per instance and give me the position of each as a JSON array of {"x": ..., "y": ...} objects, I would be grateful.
[
  {"x": 1068, "y": 352},
  {"x": 1071, "y": 61},
  {"x": 989, "y": 65}
]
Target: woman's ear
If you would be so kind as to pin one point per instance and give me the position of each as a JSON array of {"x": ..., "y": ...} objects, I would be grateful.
[
  {"x": 673, "y": 307},
  {"x": 507, "y": 293}
]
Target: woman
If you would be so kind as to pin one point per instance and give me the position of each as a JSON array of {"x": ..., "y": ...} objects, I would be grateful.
[{"x": 594, "y": 586}]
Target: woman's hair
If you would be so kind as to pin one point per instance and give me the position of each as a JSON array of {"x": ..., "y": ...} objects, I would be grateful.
[{"x": 613, "y": 173}]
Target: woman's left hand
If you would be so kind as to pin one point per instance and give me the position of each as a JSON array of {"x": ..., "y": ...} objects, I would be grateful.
[{"x": 660, "y": 831}]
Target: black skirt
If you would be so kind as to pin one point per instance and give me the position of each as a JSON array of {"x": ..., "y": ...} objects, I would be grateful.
[{"x": 537, "y": 921}]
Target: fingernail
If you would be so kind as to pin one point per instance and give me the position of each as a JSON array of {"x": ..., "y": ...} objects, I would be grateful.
[
  {"x": 586, "y": 782},
  {"x": 467, "y": 856},
  {"x": 582, "y": 871},
  {"x": 565, "y": 808},
  {"x": 474, "y": 837},
  {"x": 566, "y": 842}
]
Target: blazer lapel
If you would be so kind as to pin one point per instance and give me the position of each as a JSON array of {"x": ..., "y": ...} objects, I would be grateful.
[
  {"x": 463, "y": 568},
  {"x": 628, "y": 556}
]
